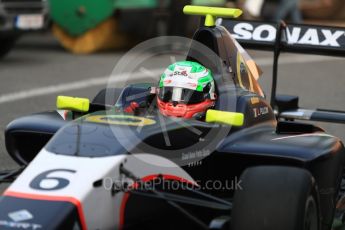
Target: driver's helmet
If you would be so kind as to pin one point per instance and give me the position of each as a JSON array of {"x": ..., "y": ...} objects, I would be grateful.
[{"x": 186, "y": 90}]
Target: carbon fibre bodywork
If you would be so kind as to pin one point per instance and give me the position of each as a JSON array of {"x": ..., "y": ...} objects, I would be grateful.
[
  {"x": 256, "y": 144},
  {"x": 103, "y": 134}
]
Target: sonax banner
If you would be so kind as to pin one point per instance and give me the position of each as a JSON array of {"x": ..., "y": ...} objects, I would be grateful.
[{"x": 295, "y": 38}]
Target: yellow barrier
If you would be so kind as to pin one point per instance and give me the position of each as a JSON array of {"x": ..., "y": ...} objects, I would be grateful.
[{"x": 105, "y": 36}]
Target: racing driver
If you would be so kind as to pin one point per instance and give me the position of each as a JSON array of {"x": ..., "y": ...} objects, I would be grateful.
[{"x": 186, "y": 90}]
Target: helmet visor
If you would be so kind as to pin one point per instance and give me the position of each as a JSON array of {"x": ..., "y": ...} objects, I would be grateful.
[{"x": 181, "y": 95}]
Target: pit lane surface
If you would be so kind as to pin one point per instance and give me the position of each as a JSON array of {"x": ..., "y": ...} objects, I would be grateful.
[{"x": 38, "y": 69}]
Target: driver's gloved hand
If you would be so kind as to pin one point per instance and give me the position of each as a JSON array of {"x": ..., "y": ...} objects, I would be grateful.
[{"x": 132, "y": 108}]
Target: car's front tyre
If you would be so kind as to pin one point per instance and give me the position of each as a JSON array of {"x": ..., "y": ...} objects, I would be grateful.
[{"x": 276, "y": 197}]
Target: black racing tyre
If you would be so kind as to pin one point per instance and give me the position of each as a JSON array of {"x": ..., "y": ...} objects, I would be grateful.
[
  {"x": 107, "y": 96},
  {"x": 6, "y": 44},
  {"x": 276, "y": 197}
]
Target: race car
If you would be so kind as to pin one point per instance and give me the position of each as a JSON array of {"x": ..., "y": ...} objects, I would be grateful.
[
  {"x": 117, "y": 162},
  {"x": 18, "y": 18}
]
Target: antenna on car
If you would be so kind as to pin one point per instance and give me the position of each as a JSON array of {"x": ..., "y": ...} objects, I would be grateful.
[{"x": 211, "y": 13}]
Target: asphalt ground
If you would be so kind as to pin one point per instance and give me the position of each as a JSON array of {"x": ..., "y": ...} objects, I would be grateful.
[{"x": 38, "y": 69}]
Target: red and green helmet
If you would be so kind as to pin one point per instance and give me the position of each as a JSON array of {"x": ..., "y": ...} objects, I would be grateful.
[{"x": 186, "y": 89}]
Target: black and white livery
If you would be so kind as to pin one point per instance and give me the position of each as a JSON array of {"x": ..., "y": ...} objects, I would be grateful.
[{"x": 247, "y": 168}]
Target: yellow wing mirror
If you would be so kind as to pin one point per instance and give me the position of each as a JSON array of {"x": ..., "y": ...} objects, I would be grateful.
[
  {"x": 73, "y": 103},
  {"x": 224, "y": 117}
]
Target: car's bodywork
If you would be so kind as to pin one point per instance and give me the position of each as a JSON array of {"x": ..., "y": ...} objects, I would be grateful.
[{"x": 63, "y": 186}]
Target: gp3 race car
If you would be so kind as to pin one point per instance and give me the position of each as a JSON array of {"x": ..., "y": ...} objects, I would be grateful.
[{"x": 248, "y": 165}]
